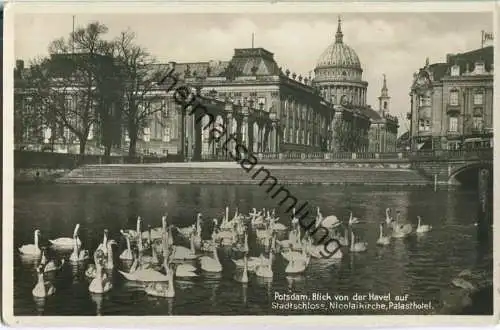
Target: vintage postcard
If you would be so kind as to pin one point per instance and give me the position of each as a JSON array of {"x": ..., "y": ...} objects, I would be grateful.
[{"x": 251, "y": 162}]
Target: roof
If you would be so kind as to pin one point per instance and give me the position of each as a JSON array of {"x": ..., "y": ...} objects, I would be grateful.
[
  {"x": 469, "y": 58},
  {"x": 466, "y": 61}
]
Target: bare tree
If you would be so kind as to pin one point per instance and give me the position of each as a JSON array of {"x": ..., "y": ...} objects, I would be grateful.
[
  {"x": 141, "y": 75},
  {"x": 65, "y": 87}
]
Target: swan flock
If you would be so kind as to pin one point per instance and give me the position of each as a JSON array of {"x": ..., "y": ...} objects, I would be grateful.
[{"x": 246, "y": 245}]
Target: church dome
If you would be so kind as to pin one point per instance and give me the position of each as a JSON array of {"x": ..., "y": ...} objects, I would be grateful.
[{"x": 338, "y": 54}]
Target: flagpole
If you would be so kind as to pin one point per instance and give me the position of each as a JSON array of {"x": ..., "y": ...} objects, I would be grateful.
[
  {"x": 73, "y": 36},
  {"x": 482, "y": 38},
  {"x": 252, "y": 39}
]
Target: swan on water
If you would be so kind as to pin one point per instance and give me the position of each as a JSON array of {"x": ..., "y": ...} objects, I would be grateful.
[
  {"x": 298, "y": 264},
  {"x": 42, "y": 288},
  {"x": 353, "y": 220},
  {"x": 243, "y": 276},
  {"x": 399, "y": 230},
  {"x": 126, "y": 254},
  {"x": 211, "y": 265},
  {"x": 101, "y": 282},
  {"x": 185, "y": 270},
  {"x": 78, "y": 254},
  {"x": 422, "y": 228},
  {"x": 66, "y": 242},
  {"x": 383, "y": 240},
  {"x": 264, "y": 268},
  {"x": 50, "y": 265},
  {"x": 388, "y": 218},
  {"x": 166, "y": 290},
  {"x": 357, "y": 246},
  {"x": 134, "y": 234},
  {"x": 145, "y": 275},
  {"x": 32, "y": 249}
]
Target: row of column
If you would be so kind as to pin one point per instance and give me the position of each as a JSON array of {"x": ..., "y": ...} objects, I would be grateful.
[
  {"x": 255, "y": 134},
  {"x": 301, "y": 124},
  {"x": 334, "y": 94}
]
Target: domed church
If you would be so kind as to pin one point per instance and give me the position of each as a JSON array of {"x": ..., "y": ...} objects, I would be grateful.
[{"x": 338, "y": 73}]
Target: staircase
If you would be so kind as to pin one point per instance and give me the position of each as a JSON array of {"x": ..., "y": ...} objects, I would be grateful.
[{"x": 236, "y": 175}]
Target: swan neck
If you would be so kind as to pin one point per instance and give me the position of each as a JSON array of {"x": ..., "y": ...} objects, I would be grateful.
[
  {"x": 381, "y": 230},
  {"x": 41, "y": 278},
  {"x": 193, "y": 250},
  {"x": 35, "y": 239},
  {"x": 128, "y": 244}
]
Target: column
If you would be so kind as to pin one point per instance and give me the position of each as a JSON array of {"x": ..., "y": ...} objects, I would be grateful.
[
  {"x": 244, "y": 130},
  {"x": 228, "y": 122}
]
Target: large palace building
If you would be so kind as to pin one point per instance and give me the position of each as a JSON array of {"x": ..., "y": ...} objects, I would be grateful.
[
  {"x": 452, "y": 102},
  {"x": 270, "y": 109}
]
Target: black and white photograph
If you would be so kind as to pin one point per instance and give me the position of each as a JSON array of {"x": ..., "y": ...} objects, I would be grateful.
[{"x": 248, "y": 162}]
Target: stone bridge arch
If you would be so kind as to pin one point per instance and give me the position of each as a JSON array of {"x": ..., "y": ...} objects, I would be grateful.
[{"x": 468, "y": 172}]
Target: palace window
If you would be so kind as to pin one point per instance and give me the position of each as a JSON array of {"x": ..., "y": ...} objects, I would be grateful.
[
  {"x": 453, "y": 124},
  {"x": 477, "y": 123},
  {"x": 479, "y": 67},
  {"x": 424, "y": 101},
  {"x": 262, "y": 100},
  {"x": 424, "y": 125},
  {"x": 455, "y": 70},
  {"x": 454, "y": 97},
  {"x": 478, "y": 98}
]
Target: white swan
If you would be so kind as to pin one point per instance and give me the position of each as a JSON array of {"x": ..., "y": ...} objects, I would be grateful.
[
  {"x": 158, "y": 232},
  {"x": 352, "y": 220},
  {"x": 78, "y": 255},
  {"x": 134, "y": 234},
  {"x": 183, "y": 253},
  {"x": 422, "y": 228},
  {"x": 185, "y": 270},
  {"x": 166, "y": 290},
  {"x": 104, "y": 245},
  {"x": 145, "y": 275},
  {"x": 127, "y": 254},
  {"x": 32, "y": 249},
  {"x": 211, "y": 265},
  {"x": 264, "y": 269},
  {"x": 251, "y": 263},
  {"x": 399, "y": 230},
  {"x": 322, "y": 251},
  {"x": 298, "y": 265},
  {"x": 388, "y": 218},
  {"x": 383, "y": 240},
  {"x": 243, "y": 276},
  {"x": 50, "y": 265},
  {"x": 277, "y": 226},
  {"x": 357, "y": 246},
  {"x": 330, "y": 221},
  {"x": 66, "y": 242},
  {"x": 101, "y": 283},
  {"x": 42, "y": 288}
]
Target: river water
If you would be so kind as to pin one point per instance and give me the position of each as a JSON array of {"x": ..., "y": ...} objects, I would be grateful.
[{"x": 420, "y": 266}]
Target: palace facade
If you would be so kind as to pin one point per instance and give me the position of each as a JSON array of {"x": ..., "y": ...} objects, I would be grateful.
[
  {"x": 452, "y": 102},
  {"x": 269, "y": 109}
]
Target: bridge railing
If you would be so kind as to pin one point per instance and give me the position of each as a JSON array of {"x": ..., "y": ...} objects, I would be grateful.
[{"x": 475, "y": 154}]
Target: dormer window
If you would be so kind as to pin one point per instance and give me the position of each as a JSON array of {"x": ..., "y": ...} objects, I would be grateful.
[
  {"x": 479, "y": 67},
  {"x": 455, "y": 70}
]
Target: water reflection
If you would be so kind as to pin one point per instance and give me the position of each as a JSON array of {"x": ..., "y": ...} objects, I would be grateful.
[{"x": 418, "y": 265}]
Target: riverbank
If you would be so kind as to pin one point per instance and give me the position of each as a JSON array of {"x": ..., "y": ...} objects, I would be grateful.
[{"x": 231, "y": 173}]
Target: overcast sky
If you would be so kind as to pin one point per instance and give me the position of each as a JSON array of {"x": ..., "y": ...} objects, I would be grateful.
[{"x": 396, "y": 44}]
